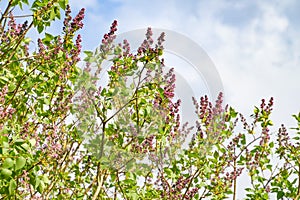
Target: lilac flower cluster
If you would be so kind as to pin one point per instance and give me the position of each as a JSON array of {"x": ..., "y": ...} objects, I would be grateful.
[
  {"x": 178, "y": 190},
  {"x": 265, "y": 108},
  {"x": 43, "y": 50},
  {"x": 160, "y": 41},
  {"x": 51, "y": 51},
  {"x": 212, "y": 119},
  {"x": 229, "y": 177},
  {"x": 108, "y": 39},
  {"x": 204, "y": 109},
  {"x": 76, "y": 24},
  {"x": 11, "y": 35},
  {"x": 126, "y": 48},
  {"x": 146, "y": 50},
  {"x": 147, "y": 43},
  {"x": 170, "y": 85},
  {"x": 231, "y": 147},
  {"x": 51, "y": 144},
  {"x": 62, "y": 103},
  {"x": 14, "y": 28},
  {"x": 283, "y": 137},
  {"x": 70, "y": 26},
  {"x": 246, "y": 126},
  {"x": 77, "y": 21},
  {"x": 254, "y": 159},
  {"x": 76, "y": 51},
  {"x": 4, "y": 111},
  {"x": 147, "y": 146}
]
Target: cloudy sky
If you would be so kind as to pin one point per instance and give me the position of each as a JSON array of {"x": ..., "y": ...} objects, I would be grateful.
[{"x": 254, "y": 45}]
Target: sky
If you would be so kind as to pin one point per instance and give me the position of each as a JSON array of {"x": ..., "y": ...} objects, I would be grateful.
[{"x": 254, "y": 45}]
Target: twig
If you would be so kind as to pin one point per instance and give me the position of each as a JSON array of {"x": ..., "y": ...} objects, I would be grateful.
[{"x": 17, "y": 16}]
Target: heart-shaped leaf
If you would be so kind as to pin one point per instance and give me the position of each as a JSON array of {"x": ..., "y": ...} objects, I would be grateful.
[{"x": 20, "y": 163}]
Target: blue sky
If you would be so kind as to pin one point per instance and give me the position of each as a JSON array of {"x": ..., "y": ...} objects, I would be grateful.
[{"x": 254, "y": 45}]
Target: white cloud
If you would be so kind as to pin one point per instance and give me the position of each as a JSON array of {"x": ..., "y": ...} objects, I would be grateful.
[{"x": 255, "y": 63}]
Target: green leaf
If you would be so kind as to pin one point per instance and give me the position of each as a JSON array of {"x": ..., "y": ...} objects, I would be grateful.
[
  {"x": 32, "y": 142},
  {"x": 19, "y": 141},
  {"x": 242, "y": 159},
  {"x": 15, "y": 2},
  {"x": 27, "y": 40},
  {"x": 256, "y": 110},
  {"x": 4, "y": 80},
  {"x": 25, "y": 146},
  {"x": 168, "y": 171},
  {"x": 62, "y": 4},
  {"x": 232, "y": 112},
  {"x": 37, "y": 182},
  {"x": 5, "y": 147},
  {"x": 216, "y": 154},
  {"x": 280, "y": 194},
  {"x": 297, "y": 117},
  {"x": 6, "y": 172},
  {"x": 88, "y": 53},
  {"x": 12, "y": 186},
  {"x": 48, "y": 37},
  {"x": 269, "y": 167},
  {"x": 45, "y": 179},
  {"x": 243, "y": 141},
  {"x": 41, "y": 187},
  {"x": 40, "y": 28},
  {"x": 20, "y": 163},
  {"x": 60, "y": 54},
  {"x": 8, "y": 163},
  {"x": 52, "y": 14},
  {"x": 20, "y": 5},
  {"x": 57, "y": 12}
]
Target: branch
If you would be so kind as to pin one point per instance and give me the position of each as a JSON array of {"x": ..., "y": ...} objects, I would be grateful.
[
  {"x": 190, "y": 182},
  {"x": 18, "y": 16},
  {"x": 6, "y": 11}
]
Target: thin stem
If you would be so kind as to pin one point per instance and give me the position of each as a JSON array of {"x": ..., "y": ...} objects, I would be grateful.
[
  {"x": 118, "y": 182},
  {"x": 234, "y": 181},
  {"x": 18, "y": 16},
  {"x": 100, "y": 180},
  {"x": 6, "y": 11},
  {"x": 102, "y": 140},
  {"x": 298, "y": 189},
  {"x": 124, "y": 106},
  {"x": 190, "y": 182}
]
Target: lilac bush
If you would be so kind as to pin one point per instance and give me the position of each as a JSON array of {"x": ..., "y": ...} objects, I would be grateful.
[{"x": 64, "y": 135}]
